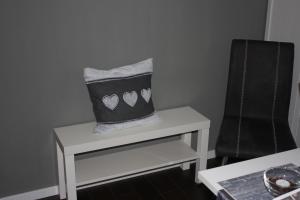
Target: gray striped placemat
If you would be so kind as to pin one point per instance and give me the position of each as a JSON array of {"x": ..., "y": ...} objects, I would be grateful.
[{"x": 248, "y": 187}]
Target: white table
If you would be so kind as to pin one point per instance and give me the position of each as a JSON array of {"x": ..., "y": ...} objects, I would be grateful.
[
  {"x": 114, "y": 162},
  {"x": 211, "y": 177}
]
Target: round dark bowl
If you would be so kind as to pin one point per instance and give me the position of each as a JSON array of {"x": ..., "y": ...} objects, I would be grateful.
[{"x": 280, "y": 180}]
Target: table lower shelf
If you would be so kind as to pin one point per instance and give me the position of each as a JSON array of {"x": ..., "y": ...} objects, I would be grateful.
[{"x": 135, "y": 161}]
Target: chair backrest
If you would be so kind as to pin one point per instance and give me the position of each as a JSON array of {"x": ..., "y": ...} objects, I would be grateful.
[{"x": 260, "y": 78}]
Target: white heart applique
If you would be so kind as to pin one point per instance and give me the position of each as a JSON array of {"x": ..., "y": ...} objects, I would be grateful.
[
  {"x": 146, "y": 94},
  {"x": 110, "y": 101},
  {"x": 130, "y": 98}
]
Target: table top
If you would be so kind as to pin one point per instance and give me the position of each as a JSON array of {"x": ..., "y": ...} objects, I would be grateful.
[
  {"x": 212, "y": 177},
  {"x": 81, "y": 137}
]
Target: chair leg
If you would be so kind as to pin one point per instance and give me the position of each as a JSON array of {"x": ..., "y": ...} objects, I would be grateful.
[{"x": 224, "y": 160}]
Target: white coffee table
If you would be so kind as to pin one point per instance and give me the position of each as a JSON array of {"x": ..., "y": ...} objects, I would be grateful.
[{"x": 212, "y": 177}]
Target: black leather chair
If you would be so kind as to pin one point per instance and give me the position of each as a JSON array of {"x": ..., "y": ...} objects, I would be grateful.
[{"x": 255, "y": 120}]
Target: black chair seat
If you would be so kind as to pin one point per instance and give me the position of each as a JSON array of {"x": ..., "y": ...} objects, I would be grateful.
[
  {"x": 255, "y": 121},
  {"x": 257, "y": 137}
]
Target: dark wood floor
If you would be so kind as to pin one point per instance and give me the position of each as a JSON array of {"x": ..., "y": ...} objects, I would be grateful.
[{"x": 173, "y": 184}]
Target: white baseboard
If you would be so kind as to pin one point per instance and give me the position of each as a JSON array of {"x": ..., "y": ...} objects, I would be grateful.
[
  {"x": 51, "y": 191},
  {"x": 35, "y": 194},
  {"x": 211, "y": 154}
]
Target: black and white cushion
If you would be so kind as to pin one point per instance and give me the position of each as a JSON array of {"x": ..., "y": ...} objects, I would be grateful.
[{"x": 121, "y": 97}]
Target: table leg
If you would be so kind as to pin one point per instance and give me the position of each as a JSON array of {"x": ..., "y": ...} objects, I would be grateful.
[
  {"x": 61, "y": 172},
  {"x": 202, "y": 148},
  {"x": 186, "y": 138},
  {"x": 70, "y": 177}
]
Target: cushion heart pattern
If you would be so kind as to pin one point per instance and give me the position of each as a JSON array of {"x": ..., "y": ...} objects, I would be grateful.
[
  {"x": 111, "y": 101},
  {"x": 146, "y": 94},
  {"x": 130, "y": 98}
]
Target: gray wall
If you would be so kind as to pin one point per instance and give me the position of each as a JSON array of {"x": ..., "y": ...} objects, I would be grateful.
[{"x": 44, "y": 45}]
